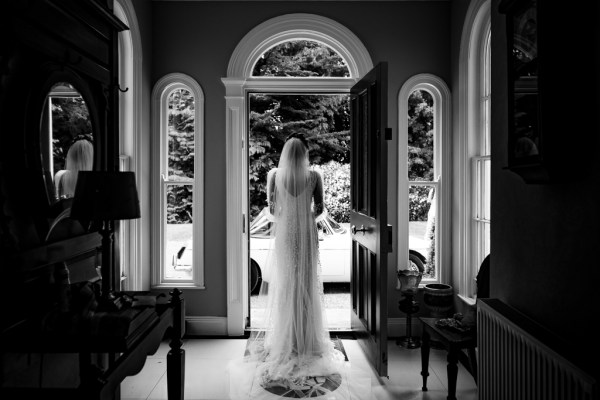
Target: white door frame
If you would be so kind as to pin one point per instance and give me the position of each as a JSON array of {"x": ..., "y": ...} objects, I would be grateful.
[{"x": 238, "y": 83}]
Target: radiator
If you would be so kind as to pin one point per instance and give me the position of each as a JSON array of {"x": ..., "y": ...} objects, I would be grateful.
[{"x": 515, "y": 365}]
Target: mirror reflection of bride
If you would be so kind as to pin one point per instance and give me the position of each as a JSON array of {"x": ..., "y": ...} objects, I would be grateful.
[
  {"x": 292, "y": 354},
  {"x": 80, "y": 157}
]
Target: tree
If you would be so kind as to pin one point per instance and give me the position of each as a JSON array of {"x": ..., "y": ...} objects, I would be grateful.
[
  {"x": 301, "y": 58},
  {"x": 420, "y": 151},
  {"x": 323, "y": 119},
  {"x": 70, "y": 118},
  {"x": 420, "y": 136},
  {"x": 181, "y": 142}
]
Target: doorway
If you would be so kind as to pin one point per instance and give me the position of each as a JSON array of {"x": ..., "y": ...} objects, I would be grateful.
[
  {"x": 241, "y": 80},
  {"x": 324, "y": 119}
]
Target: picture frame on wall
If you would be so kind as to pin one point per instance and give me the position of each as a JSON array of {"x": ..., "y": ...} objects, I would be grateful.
[{"x": 525, "y": 130}]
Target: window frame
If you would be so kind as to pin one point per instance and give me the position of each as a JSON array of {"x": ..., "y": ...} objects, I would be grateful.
[
  {"x": 160, "y": 95},
  {"x": 470, "y": 125},
  {"x": 478, "y": 165},
  {"x": 129, "y": 238},
  {"x": 441, "y": 95}
]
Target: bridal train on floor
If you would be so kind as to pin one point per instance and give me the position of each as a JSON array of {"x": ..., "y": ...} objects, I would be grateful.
[{"x": 291, "y": 353}]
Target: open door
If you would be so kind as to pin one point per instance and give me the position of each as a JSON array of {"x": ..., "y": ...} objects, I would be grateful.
[{"x": 368, "y": 215}]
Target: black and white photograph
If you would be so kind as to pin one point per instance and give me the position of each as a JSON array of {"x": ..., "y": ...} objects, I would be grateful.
[{"x": 273, "y": 199}]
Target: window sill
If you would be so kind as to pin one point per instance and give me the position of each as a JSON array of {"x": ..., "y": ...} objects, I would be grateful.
[
  {"x": 470, "y": 301},
  {"x": 178, "y": 286}
]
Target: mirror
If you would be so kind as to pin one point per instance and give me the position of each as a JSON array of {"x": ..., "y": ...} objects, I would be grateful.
[{"x": 67, "y": 142}]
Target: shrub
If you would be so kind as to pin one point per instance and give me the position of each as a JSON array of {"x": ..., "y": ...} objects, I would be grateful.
[
  {"x": 336, "y": 189},
  {"x": 418, "y": 204}
]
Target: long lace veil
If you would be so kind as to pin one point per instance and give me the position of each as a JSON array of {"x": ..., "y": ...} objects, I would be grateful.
[{"x": 292, "y": 342}]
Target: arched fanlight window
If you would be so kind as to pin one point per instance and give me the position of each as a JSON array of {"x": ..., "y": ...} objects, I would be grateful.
[{"x": 301, "y": 58}]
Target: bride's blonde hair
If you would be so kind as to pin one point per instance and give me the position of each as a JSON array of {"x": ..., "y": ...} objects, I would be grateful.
[
  {"x": 80, "y": 157},
  {"x": 294, "y": 155},
  {"x": 292, "y": 171}
]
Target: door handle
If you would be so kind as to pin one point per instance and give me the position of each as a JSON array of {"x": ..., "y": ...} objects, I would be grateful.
[{"x": 361, "y": 229}]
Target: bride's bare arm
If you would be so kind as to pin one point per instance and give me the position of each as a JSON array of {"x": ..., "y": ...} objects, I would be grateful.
[{"x": 271, "y": 190}]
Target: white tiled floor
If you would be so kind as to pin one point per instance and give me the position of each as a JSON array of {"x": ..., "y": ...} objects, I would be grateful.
[{"x": 206, "y": 359}]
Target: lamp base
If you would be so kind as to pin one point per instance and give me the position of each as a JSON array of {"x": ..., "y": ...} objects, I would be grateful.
[{"x": 409, "y": 342}]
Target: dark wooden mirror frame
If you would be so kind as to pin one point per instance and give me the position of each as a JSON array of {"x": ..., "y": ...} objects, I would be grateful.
[
  {"x": 55, "y": 74},
  {"x": 41, "y": 43}
]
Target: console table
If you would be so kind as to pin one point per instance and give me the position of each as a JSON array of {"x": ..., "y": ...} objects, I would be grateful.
[
  {"x": 127, "y": 352},
  {"x": 454, "y": 342}
]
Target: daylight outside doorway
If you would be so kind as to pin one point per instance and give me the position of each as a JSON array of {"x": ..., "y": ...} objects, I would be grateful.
[{"x": 324, "y": 120}]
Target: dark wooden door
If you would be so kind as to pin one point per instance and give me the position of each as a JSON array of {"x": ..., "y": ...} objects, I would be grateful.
[{"x": 368, "y": 214}]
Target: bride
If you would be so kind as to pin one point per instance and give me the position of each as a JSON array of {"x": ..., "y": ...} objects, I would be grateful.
[{"x": 292, "y": 353}]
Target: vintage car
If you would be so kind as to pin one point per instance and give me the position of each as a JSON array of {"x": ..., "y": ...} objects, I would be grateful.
[{"x": 334, "y": 250}]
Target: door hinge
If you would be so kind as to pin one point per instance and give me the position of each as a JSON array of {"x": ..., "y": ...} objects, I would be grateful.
[
  {"x": 243, "y": 223},
  {"x": 388, "y": 133},
  {"x": 390, "y": 235}
]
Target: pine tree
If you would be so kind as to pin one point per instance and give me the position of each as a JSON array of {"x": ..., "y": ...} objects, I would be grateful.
[{"x": 181, "y": 156}]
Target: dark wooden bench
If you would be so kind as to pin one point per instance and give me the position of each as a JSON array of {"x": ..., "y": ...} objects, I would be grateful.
[{"x": 126, "y": 336}]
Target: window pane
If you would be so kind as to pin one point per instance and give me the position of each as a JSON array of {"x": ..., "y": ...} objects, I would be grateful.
[
  {"x": 421, "y": 225},
  {"x": 179, "y": 232},
  {"x": 420, "y": 136},
  {"x": 301, "y": 58},
  {"x": 486, "y": 148},
  {"x": 487, "y": 94},
  {"x": 486, "y": 240},
  {"x": 181, "y": 126},
  {"x": 486, "y": 192}
]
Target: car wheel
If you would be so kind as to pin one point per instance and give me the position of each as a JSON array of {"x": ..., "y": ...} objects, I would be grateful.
[
  {"x": 255, "y": 277},
  {"x": 416, "y": 263}
]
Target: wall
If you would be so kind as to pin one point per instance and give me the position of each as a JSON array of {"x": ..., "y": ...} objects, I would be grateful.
[
  {"x": 143, "y": 11},
  {"x": 543, "y": 236},
  {"x": 197, "y": 38}
]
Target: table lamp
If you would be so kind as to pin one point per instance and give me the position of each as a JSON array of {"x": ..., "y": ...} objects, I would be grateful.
[
  {"x": 105, "y": 197},
  {"x": 409, "y": 284}
]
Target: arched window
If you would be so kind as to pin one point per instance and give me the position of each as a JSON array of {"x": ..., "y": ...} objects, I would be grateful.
[
  {"x": 178, "y": 104},
  {"x": 472, "y": 174},
  {"x": 301, "y": 58},
  {"x": 424, "y": 142},
  {"x": 481, "y": 164}
]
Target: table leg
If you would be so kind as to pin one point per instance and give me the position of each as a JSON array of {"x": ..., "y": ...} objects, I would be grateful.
[
  {"x": 176, "y": 356},
  {"x": 452, "y": 373},
  {"x": 425, "y": 344},
  {"x": 175, "y": 374}
]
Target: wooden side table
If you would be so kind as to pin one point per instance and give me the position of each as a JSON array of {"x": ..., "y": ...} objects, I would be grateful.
[{"x": 454, "y": 342}]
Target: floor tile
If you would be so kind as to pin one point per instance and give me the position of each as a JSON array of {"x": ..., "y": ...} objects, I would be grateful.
[
  {"x": 204, "y": 379},
  {"x": 162, "y": 351},
  {"x": 207, "y": 377},
  {"x": 141, "y": 385},
  {"x": 464, "y": 380},
  {"x": 225, "y": 349}
]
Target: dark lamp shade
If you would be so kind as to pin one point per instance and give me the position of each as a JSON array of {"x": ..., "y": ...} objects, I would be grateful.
[{"x": 102, "y": 195}]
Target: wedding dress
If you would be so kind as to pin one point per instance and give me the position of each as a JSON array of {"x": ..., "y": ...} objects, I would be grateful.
[{"x": 292, "y": 354}]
